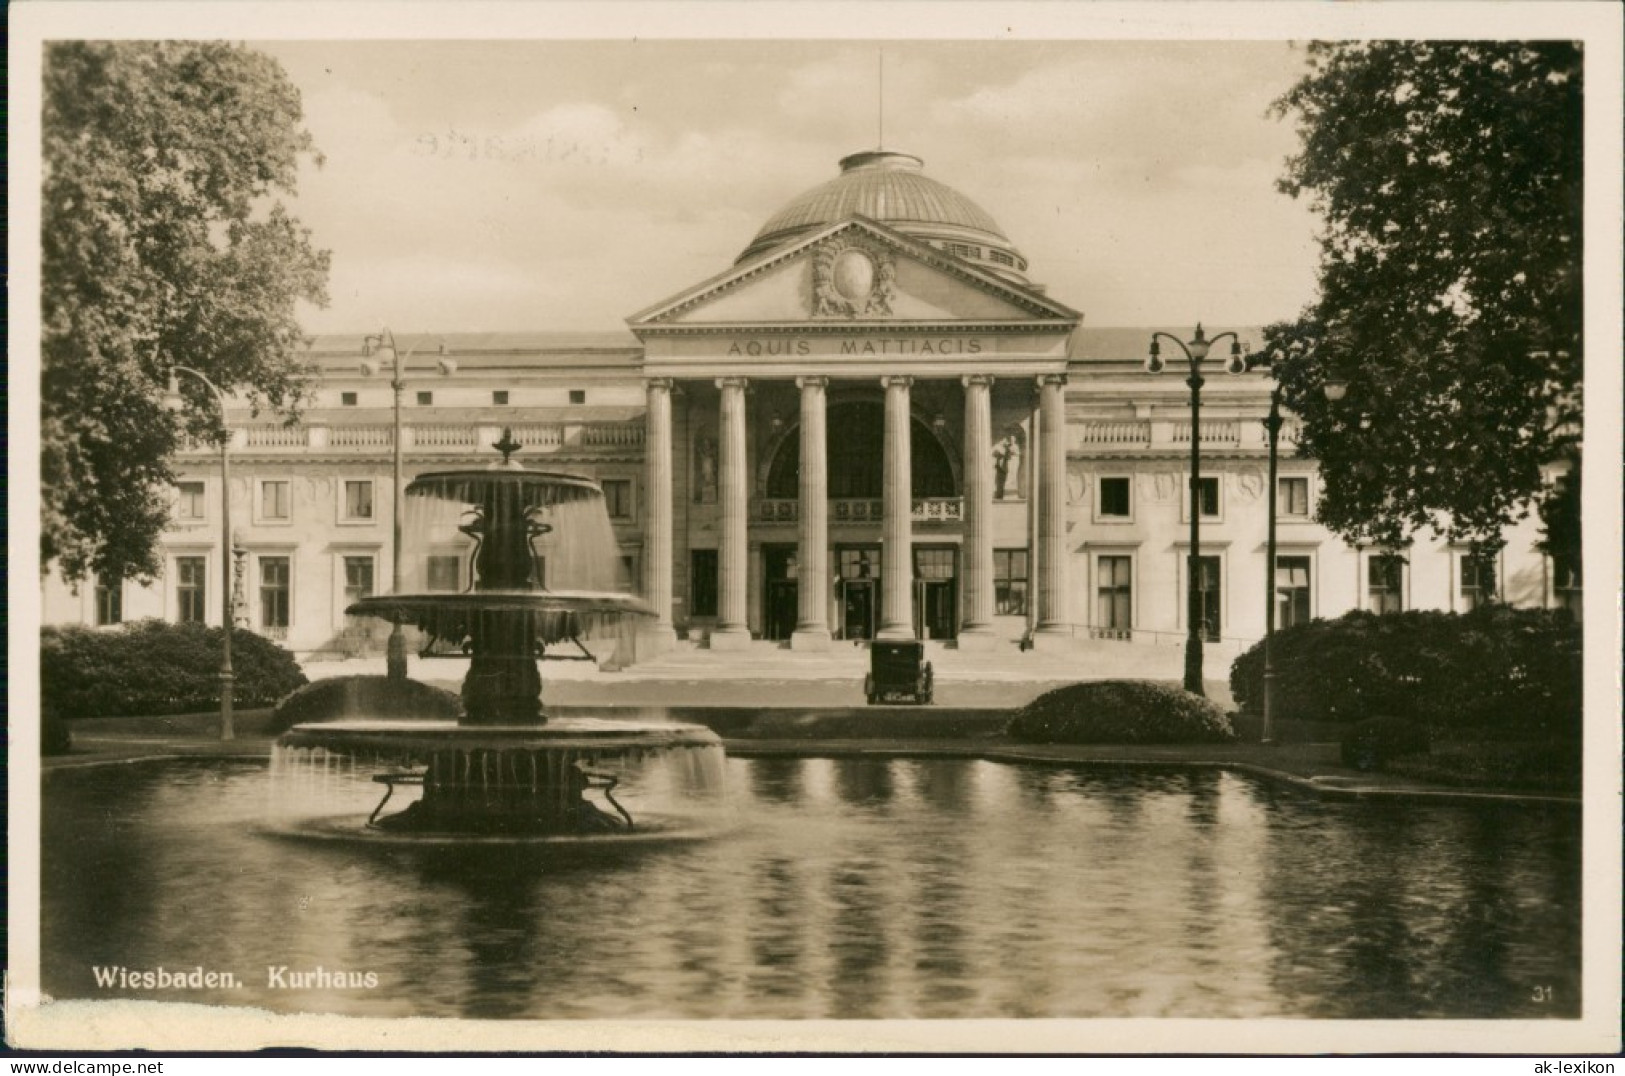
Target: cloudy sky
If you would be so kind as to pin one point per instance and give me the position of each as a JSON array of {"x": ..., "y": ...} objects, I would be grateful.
[{"x": 536, "y": 185}]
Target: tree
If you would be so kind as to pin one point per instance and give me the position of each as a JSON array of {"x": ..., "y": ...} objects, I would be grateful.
[
  {"x": 1448, "y": 176},
  {"x": 163, "y": 242}
]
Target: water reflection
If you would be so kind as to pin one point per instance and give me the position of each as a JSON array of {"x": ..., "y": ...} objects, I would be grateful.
[
  {"x": 851, "y": 889},
  {"x": 1444, "y": 912}
]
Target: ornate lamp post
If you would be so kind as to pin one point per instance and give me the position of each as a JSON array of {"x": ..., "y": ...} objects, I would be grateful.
[
  {"x": 173, "y": 401},
  {"x": 382, "y": 344},
  {"x": 1195, "y": 350}
]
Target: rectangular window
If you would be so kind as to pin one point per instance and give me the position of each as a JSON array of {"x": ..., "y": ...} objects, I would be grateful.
[
  {"x": 1385, "y": 583},
  {"x": 357, "y": 579},
  {"x": 858, "y": 563},
  {"x": 347, "y": 399},
  {"x": 1477, "y": 581},
  {"x": 190, "y": 589},
  {"x": 935, "y": 564},
  {"x": 500, "y": 397},
  {"x": 425, "y": 399},
  {"x": 702, "y": 582},
  {"x": 275, "y": 500},
  {"x": 1115, "y": 498},
  {"x": 275, "y": 573},
  {"x": 1566, "y": 582},
  {"x": 189, "y": 504},
  {"x": 445, "y": 572},
  {"x": 109, "y": 599},
  {"x": 1291, "y": 591},
  {"x": 617, "y": 497},
  {"x": 1010, "y": 582},
  {"x": 1207, "y": 495},
  {"x": 629, "y": 571},
  {"x": 358, "y": 498},
  {"x": 578, "y": 396},
  {"x": 1292, "y": 498},
  {"x": 1208, "y": 596},
  {"x": 1114, "y": 598}
]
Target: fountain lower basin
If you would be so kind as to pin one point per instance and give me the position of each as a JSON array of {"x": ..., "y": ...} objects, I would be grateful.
[{"x": 553, "y": 780}]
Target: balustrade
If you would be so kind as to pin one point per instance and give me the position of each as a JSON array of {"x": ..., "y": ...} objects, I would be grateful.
[
  {"x": 539, "y": 436},
  {"x": 618, "y": 435},
  {"x": 1113, "y": 433},
  {"x": 938, "y": 510},
  {"x": 361, "y": 437},
  {"x": 1221, "y": 432},
  {"x": 445, "y": 437},
  {"x": 861, "y": 510},
  {"x": 276, "y": 436}
]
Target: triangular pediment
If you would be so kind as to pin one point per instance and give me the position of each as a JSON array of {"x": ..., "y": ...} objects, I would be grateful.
[{"x": 856, "y": 272}]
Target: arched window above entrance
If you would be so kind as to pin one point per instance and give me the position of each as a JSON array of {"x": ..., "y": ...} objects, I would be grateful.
[{"x": 856, "y": 439}]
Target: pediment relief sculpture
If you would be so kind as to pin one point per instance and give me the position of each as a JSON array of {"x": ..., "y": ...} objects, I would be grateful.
[{"x": 852, "y": 279}]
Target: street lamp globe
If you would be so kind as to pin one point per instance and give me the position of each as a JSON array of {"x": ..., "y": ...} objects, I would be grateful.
[{"x": 174, "y": 402}]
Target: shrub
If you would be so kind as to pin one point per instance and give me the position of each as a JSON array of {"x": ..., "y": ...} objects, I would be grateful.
[
  {"x": 154, "y": 667},
  {"x": 1121, "y": 711},
  {"x": 1494, "y": 667},
  {"x": 1371, "y": 745},
  {"x": 365, "y": 696}
]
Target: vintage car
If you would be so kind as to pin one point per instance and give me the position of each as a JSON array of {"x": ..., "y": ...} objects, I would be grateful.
[{"x": 898, "y": 672}]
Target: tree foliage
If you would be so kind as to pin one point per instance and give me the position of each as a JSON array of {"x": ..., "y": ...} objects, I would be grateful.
[
  {"x": 1448, "y": 176},
  {"x": 164, "y": 242}
]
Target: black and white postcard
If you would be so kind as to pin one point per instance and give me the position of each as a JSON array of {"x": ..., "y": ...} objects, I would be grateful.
[{"x": 815, "y": 527}]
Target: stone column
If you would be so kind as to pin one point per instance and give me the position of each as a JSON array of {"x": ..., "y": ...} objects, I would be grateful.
[
  {"x": 812, "y": 557},
  {"x": 732, "y": 631},
  {"x": 1053, "y": 630},
  {"x": 897, "y": 532},
  {"x": 657, "y": 529},
  {"x": 976, "y": 629}
]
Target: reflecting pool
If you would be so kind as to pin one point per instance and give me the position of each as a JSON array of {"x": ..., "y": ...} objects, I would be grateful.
[{"x": 843, "y": 888}]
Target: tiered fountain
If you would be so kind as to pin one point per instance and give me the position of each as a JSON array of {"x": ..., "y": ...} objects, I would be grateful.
[{"x": 503, "y": 768}]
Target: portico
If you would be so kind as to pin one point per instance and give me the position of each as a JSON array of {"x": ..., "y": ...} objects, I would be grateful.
[{"x": 837, "y": 397}]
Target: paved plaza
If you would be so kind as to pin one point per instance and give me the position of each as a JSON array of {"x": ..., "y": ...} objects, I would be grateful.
[{"x": 768, "y": 674}]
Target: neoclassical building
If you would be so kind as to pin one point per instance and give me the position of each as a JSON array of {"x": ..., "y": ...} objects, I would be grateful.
[{"x": 874, "y": 424}]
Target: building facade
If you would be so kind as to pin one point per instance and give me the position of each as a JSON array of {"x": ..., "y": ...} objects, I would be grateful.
[{"x": 872, "y": 425}]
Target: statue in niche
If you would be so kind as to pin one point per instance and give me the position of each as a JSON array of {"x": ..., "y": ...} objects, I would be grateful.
[
  {"x": 705, "y": 469},
  {"x": 1007, "y": 465}
]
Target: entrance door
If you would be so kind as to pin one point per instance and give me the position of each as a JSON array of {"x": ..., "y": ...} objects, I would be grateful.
[
  {"x": 857, "y": 567},
  {"x": 857, "y": 609},
  {"x": 779, "y": 607},
  {"x": 936, "y": 592}
]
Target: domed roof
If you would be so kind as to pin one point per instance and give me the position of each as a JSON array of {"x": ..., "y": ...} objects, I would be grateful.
[{"x": 890, "y": 187}]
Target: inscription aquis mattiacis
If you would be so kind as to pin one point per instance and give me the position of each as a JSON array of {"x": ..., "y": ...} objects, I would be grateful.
[{"x": 875, "y": 346}]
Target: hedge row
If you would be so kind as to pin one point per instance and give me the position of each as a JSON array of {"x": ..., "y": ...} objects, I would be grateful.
[
  {"x": 1495, "y": 667},
  {"x": 1121, "y": 711},
  {"x": 154, "y": 667}
]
